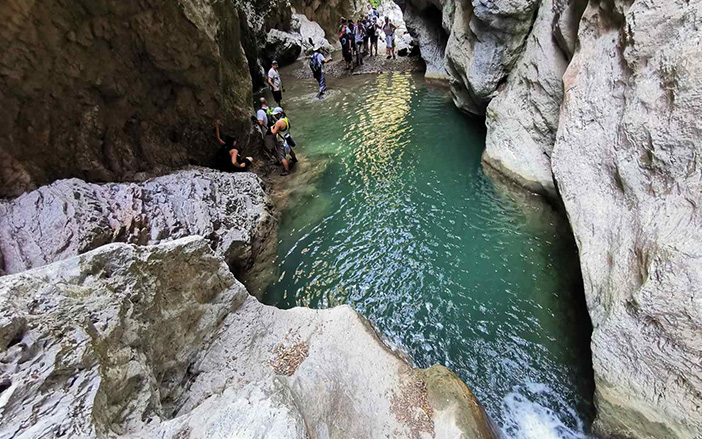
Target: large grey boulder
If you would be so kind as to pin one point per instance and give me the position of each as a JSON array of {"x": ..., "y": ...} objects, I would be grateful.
[
  {"x": 163, "y": 342},
  {"x": 523, "y": 118},
  {"x": 311, "y": 31},
  {"x": 284, "y": 47},
  {"x": 70, "y": 217},
  {"x": 627, "y": 163}
]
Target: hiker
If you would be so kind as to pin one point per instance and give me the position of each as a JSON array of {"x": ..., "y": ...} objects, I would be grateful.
[
  {"x": 359, "y": 34},
  {"x": 346, "y": 45},
  {"x": 352, "y": 35},
  {"x": 372, "y": 32},
  {"x": 317, "y": 62},
  {"x": 366, "y": 37},
  {"x": 228, "y": 157},
  {"x": 389, "y": 30},
  {"x": 275, "y": 83},
  {"x": 265, "y": 119},
  {"x": 284, "y": 140}
]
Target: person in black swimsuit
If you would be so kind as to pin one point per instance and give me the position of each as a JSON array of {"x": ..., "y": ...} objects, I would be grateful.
[{"x": 228, "y": 157}]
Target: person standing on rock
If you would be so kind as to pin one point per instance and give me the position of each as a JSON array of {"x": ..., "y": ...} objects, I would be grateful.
[
  {"x": 359, "y": 35},
  {"x": 317, "y": 62},
  {"x": 284, "y": 140},
  {"x": 389, "y": 30},
  {"x": 228, "y": 157},
  {"x": 346, "y": 44},
  {"x": 265, "y": 120},
  {"x": 275, "y": 83},
  {"x": 372, "y": 32}
]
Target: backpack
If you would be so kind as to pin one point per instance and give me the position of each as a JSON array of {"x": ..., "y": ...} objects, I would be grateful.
[
  {"x": 370, "y": 29},
  {"x": 315, "y": 63}
]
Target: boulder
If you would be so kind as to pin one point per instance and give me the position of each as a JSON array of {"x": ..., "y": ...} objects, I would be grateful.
[
  {"x": 104, "y": 90},
  {"x": 627, "y": 164},
  {"x": 70, "y": 217},
  {"x": 311, "y": 31},
  {"x": 163, "y": 342},
  {"x": 523, "y": 118},
  {"x": 281, "y": 46}
]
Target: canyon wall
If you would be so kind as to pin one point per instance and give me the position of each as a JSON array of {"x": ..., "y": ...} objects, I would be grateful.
[
  {"x": 329, "y": 13},
  {"x": 103, "y": 90},
  {"x": 598, "y": 103},
  {"x": 628, "y": 165}
]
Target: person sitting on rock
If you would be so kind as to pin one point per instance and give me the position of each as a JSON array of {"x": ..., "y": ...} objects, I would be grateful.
[
  {"x": 228, "y": 157},
  {"x": 284, "y": 140}
]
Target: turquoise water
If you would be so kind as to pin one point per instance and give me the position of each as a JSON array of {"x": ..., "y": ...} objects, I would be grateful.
[{"x": 404, "y": 226}]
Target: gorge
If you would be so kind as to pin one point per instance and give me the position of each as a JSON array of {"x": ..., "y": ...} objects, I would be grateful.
[{"x": 121, "y": 310}]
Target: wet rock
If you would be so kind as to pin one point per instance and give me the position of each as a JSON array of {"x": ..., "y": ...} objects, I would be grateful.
[
  {"x": 523, "y": 118},
  {"x": 70, "y": 217},
  {"x": 627, "y": 165},
  {"x": 162, "y": 341},
  {"x": 104, "y": 90}
]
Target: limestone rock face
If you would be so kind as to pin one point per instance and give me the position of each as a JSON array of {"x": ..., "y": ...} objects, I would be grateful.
[
  {"x": 328, "y": 13},
  {"x": 431, "y": 38},
  {"x": 102, "y": 90},
  {"x": 282, "y": 46},
  {"x": 70, "y": 217},
  {"x": 627, "y": 163},
  {"x": 163, "y": 342},
  {"x": 523, "y": 118},
  {"x": 311, "y": 30}
]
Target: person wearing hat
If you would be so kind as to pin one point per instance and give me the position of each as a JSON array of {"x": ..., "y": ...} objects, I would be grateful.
[
  {"x": 317, "y": 61},
  {"x": 285, "y": 143},
  {"x": 275, "y": 83}
]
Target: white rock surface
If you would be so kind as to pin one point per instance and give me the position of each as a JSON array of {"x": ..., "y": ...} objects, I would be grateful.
[
  {"x": 70, "y": 217},
  {"x": 163, "y": 342},
  {"x": 311, "y": 30},
  {"x": 627, "y": 163},
  {"x": 431, "y": 39},
  {"x": 522, "y": 120}
]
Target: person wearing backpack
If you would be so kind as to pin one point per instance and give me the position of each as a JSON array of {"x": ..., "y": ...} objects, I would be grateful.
[
  {"x": 317, "y": 61},
  {"x": 372, "y": 31},
  {"x": 285, "y": 142}
]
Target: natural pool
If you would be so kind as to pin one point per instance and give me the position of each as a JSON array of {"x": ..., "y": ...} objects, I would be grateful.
[{"x": 404, "y": 226}]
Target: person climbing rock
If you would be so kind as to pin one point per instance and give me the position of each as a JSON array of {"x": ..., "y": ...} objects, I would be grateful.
[
  {"x": 275, "y": 83},
  {"x": 317, "y": 62},
  {"x": 228, "y": 157},
  {"x": 389, "y": 30},
  {"x": 284, "y": 140}
]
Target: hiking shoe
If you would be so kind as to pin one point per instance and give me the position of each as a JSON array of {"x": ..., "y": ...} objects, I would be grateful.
[
  {"x": 388, "y": 57},
  {"x": 284, "y": 173},
  {"x": 394, "y": 57}
]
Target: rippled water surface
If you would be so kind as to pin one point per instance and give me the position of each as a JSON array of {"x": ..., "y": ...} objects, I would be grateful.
[{"x": 404, "y": 226}]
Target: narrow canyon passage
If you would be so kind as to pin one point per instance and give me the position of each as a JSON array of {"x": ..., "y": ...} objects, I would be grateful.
[{"x": 454, "y": 269}]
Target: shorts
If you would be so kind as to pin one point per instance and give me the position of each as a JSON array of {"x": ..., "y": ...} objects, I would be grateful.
[
  {"x": 388, "y": 41},
  {"x": 374, "y": 39},
  {"x": 348, "y": 56},
  {"x": 282, "y": 150},
  {"x": 277, "y": 95}
]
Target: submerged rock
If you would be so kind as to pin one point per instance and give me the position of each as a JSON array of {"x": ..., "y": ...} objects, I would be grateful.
[
  {"x": 162, "y": 341},
  {"x": 70, "y": 217},
  {"x": 104, "y": 90},
  {"x": 627, "y": 163}
]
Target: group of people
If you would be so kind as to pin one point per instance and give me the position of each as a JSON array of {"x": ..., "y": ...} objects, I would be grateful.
[
  {"x": 357, "y": 39},
  {"x": 361, "y": 38},
  {"x": 274, "y": 126}
]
